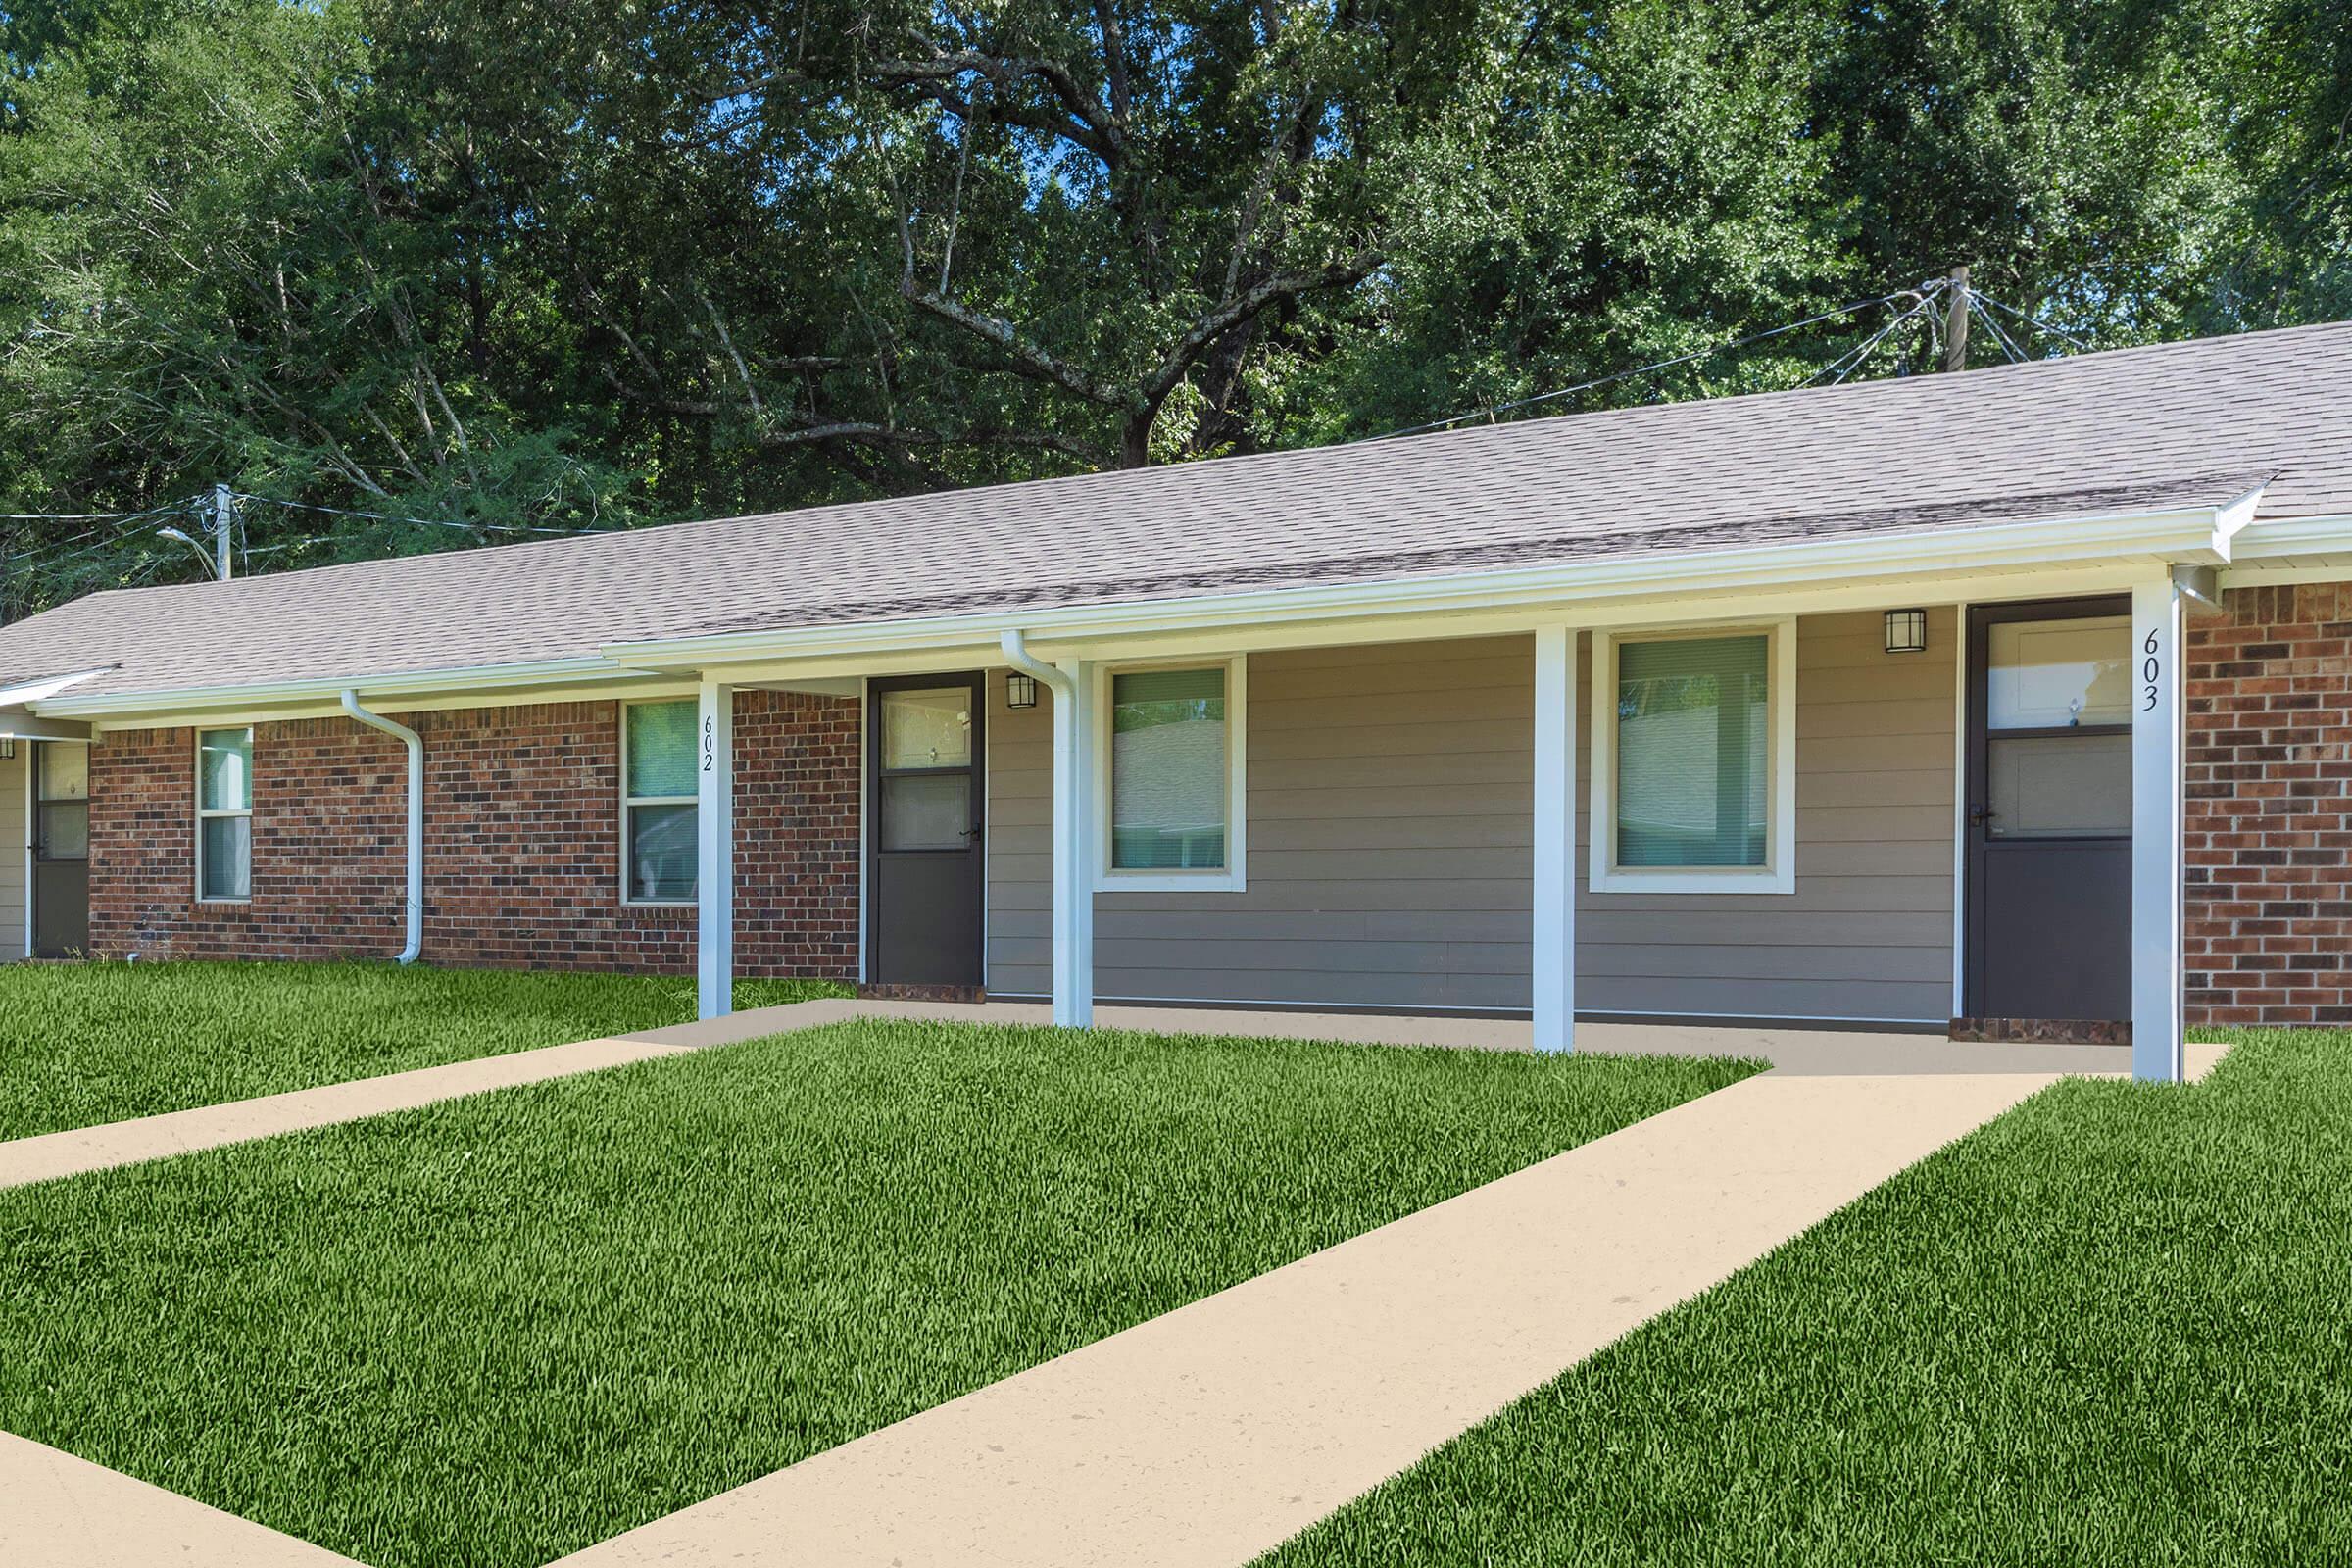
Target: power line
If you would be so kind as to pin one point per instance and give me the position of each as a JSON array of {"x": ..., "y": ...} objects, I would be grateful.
[
  {"x": 2035, "y": 321},
  {"x": 2002, "y": 340},
  {"x": 1662, "y": 364},
  {"x": 58, "y": 552},
  {"x": 428, "y": 523},
  {"x": 94, "y": 516},
  {"x": 303, "y": 543},
  {"x": 1853, "y": 359}
]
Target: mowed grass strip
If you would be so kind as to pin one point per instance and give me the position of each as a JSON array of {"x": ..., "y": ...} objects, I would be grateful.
[
  {"x": 2111, "y": 1327},
  {"x": 496, "y": 1330},
  {"x": 82, "y": 1044}
]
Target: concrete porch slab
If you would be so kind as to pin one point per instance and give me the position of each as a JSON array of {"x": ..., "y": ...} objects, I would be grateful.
[{"x": 1789, "y": 1049}]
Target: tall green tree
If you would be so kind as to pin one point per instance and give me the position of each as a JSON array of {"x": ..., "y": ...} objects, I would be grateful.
[{"x": 543, "y": 265}]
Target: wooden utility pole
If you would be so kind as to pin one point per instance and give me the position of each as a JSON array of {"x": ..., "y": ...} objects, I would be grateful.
[
  {"x": 221, "y": 513},
  {"x": 1955, "y": 321}
]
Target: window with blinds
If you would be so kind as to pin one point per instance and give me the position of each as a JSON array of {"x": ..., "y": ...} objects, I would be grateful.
[
  {"x": 1694, "y": 752},
  {"x": 659, "y": 802},
  {"x": 1171, "y": 752},
  {"x": 224, "y": 815}
]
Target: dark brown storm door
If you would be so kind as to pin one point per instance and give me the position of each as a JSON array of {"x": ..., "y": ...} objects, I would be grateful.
[
  {"x": 925, "y": 798},
  {"x": 2049, "y": 818},
  {"x": 61, "y": 849}
]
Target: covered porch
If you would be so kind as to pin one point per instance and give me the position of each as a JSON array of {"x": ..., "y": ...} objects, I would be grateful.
[{"x": 1448, "y": 890}]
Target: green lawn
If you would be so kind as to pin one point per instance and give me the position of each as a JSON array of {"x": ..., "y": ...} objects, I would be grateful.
[
  {"x": 2112, "y": 1326},
  {"x": 88, "y": 1042},
  {"x": 498, "y": 1329}
]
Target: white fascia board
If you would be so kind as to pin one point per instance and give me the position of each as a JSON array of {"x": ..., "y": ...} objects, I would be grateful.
[
  {"x": 32, "y": 691},
  {"x": 2194, "y": 535},
  {"x": 2184, "y": 535},
  {"x": 329, "y": 690},
  {"x": 2326, "y": 534}
]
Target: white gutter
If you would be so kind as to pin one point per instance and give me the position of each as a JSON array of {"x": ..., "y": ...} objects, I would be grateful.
[
  {"x": 416, "y": 745},
  {"x": 1015, "y": 647},
  {"x": 32, "y": 691},
  {"x": 2194, "y": 535},
  {"x": 2198, "y": 534},
  {"x": 550, "y": 673}
]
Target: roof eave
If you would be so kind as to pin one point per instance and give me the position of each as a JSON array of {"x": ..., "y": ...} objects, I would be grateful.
[
  {"x": 556, "y": 672},
  {"x": 2184, "y": 535}
]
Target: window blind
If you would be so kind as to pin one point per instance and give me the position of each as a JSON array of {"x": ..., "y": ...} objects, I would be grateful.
[{"x": 1693, "y": 752}]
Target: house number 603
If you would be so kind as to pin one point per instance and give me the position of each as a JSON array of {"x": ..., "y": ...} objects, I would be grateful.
[{"x": 2150, "y": 669}]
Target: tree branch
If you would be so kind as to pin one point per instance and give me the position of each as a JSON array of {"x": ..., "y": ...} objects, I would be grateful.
[
  {"x": 1238, "y": 308},
  {"x": 1028, "y": 359}
]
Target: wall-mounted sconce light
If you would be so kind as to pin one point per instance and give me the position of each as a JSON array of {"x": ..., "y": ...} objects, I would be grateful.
[
  {"x": 8, "y": 747},
  {"x": 1020, "y": 691},
  {"x": 1906, "y": 632}
]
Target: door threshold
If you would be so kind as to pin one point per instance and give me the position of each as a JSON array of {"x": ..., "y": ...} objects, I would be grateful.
[
  {"x": 903, "y": 993},
  {"x": 2043, "y": 1031}
]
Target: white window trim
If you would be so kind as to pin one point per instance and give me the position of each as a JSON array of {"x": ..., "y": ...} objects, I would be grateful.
[
  {"x": 627, "y": 801},
  {"x": 1778, "y": 873},
  {"x": 203, "y": 816},
  {"x": 1233, "y": 876}
]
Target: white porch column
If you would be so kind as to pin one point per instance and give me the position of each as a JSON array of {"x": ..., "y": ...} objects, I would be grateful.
[
  {"x": 715, "y": 854},
  {"x": 1554, "y": 968},
  {"x": 2158, "y": 621},
  {"x": 1074, "y": 846}
]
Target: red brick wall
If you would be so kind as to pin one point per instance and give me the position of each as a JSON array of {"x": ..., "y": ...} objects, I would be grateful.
[
  {"x": 2270, "y": 808},
  {"x": 522, "y": 843}
]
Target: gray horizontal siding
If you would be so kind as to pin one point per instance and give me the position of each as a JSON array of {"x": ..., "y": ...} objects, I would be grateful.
[
  {"x": 1389, "y": 804},
  {"x": 14, "y": 834}
]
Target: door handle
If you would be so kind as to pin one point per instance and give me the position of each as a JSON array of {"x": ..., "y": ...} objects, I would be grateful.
[
  {"x": 971, "y": 832},
  {"x": 1981, "y": 814}
]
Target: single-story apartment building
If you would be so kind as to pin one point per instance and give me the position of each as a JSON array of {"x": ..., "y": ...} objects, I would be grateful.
[{"x": 2013, "y": 702}]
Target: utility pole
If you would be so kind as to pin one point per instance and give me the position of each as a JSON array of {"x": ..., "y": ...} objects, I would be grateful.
[
  {"x": 1955, "y": 321},
  {"x": 220, "y": 519}
]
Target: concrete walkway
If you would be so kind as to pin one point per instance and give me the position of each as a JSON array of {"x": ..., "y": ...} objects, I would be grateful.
[
  {"x": 58, "y": 1511},
  {"x": 1214, "y": 1433},
  {"x": 47, "y": 1157},
  {"x": 179, "y": 1132},
  {"x": 1211, "y": 1434}
]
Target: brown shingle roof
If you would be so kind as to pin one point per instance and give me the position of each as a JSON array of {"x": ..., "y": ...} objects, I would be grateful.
[{"x": 2187, "y": 424}]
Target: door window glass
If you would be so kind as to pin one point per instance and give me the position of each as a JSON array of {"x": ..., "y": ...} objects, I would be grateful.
[
  {"x": 2059, "y": 786},
  {"x": 926, "y": 811},
  {"x": 64, "y": 771},
  {"x": 2055, "y": 674},
  {"x": 927, "y": 728}
]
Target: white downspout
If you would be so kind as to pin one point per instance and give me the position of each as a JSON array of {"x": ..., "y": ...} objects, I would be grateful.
[
  {"x": 1073, "y": 898},
  {"x": 416, "y": 745}
]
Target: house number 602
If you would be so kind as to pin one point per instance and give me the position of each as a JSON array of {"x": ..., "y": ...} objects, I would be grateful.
[
  {"x": 710, "y": 746},
  {"x": 2150, "y": 669}
]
